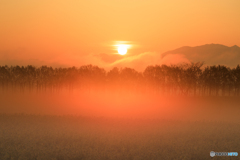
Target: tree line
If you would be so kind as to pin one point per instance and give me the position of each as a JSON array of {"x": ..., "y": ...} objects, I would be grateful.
[{"x": 183, "y": 79}]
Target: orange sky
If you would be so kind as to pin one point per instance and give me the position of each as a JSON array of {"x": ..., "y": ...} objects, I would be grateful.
[{"x": 79, "y": 32}]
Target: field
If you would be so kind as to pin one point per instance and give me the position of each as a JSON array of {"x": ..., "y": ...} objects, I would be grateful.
[
  {"x": 74, "y": 127},
  {"x": 68, "y": 137}
]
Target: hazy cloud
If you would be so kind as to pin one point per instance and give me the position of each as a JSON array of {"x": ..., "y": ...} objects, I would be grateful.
[
  {"x": 141, "y": 61},
  {"x": 210, "y": 54}
]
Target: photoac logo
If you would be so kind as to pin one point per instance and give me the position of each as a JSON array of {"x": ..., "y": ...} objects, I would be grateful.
[{"x": 212, "y": 153}]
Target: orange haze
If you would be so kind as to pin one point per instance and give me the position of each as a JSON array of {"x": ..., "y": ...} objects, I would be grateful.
[
  {"x": 67, "y": 33},
  {"x": 121, "y": 103}
]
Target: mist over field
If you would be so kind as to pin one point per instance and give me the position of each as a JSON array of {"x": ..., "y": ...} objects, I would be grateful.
[
  {"x": 121, "y": 104},
  {"x": 183, "y": 92},
  {"x": 116, "y": 125},
  {"x": 89, "y": 113}
]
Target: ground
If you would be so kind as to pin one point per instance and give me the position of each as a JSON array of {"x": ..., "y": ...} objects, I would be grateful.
[{"x": 76, "y": 137}]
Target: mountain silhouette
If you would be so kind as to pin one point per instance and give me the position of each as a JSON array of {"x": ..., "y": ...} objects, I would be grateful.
[{"x": 210, "y": 54}]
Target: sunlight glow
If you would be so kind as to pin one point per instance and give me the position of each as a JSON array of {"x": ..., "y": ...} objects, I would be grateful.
[{"x": 122, "y": 49}]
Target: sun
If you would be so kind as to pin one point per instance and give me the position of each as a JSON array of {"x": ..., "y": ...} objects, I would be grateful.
[{"x": 122, "y": 49}]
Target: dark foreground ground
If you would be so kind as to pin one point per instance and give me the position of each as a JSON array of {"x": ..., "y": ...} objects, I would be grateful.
[{"x": 33, "y": 137}]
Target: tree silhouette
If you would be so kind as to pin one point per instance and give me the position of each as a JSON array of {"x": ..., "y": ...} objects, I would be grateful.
[
  {"x": 236, "y": 79},
  {"x": 4, "y": 76},
  {"x": 186, "y": 79}
]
